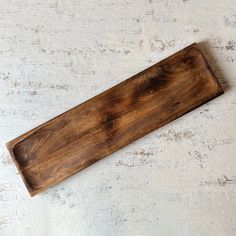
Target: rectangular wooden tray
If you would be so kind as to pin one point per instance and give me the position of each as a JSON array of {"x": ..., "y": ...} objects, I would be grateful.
[{"x": 111, "y": 120}]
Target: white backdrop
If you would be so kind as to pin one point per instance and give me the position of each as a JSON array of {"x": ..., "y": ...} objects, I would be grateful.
[{"x": 180, "y": 179}]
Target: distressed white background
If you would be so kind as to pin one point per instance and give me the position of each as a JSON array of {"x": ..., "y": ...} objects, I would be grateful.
[{"x": 180, "y": 179}]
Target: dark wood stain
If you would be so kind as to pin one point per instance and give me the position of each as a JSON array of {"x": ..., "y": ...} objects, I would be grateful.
[
  {"x": 120, "y": 115},
  {"x": 151, "y": 84}
]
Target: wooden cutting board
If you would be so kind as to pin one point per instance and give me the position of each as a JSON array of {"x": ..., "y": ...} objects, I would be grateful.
[{"x": 111, "y": 120}]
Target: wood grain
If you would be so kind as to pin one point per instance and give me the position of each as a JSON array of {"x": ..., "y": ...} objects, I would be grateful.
[{"x": 111, "y": 120}]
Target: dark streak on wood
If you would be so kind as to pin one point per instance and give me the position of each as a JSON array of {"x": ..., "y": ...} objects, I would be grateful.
[{"x": 102, "y": 125}]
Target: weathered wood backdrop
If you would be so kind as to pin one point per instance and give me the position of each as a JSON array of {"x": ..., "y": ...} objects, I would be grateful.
[{"x": 179, "y": 180}]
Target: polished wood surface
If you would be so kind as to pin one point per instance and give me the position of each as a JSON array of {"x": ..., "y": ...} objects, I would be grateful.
[{"x": 111, "y": 120}]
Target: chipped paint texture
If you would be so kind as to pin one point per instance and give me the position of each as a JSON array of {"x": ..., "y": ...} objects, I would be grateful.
[{"x": 178, "y": 180}]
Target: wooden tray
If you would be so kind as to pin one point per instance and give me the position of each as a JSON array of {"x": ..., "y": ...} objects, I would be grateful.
[{"x": 111, "y": 120}]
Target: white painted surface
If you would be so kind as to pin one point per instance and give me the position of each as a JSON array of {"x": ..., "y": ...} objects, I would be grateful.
[{"x": 179, "y": 180}]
